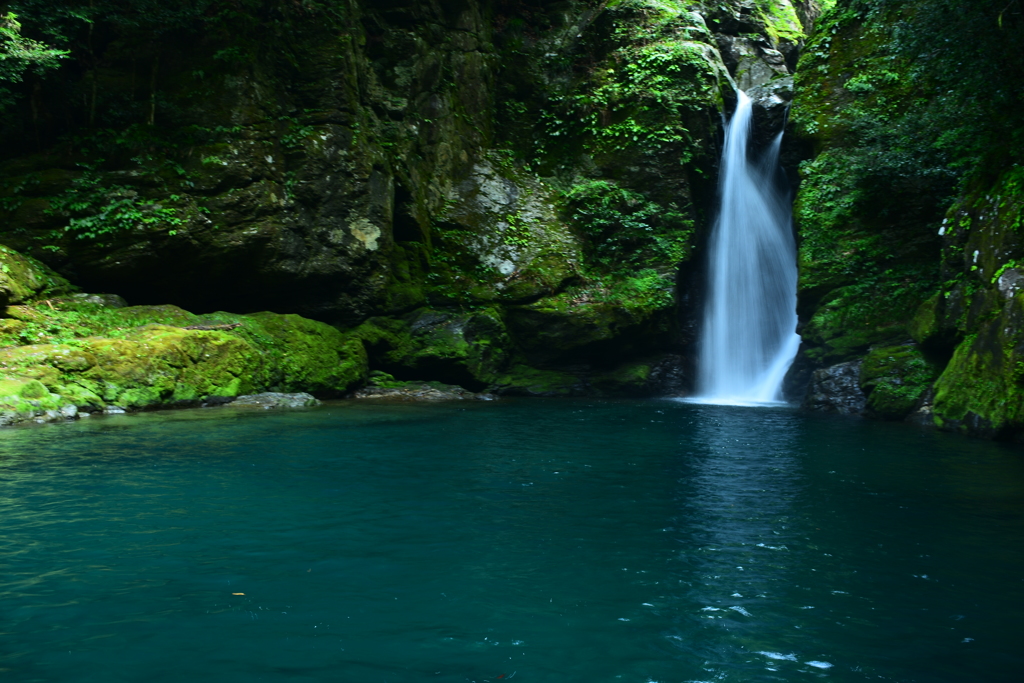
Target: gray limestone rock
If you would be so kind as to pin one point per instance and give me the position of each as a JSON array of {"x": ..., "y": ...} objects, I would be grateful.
[{"x": 751, "y": 63}]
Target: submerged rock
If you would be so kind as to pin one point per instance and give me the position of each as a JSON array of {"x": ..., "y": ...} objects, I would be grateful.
[{"x": 269, "y": 400}]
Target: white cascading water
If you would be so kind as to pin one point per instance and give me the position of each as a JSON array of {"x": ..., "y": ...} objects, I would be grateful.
[{"x": 749, "y": 339}]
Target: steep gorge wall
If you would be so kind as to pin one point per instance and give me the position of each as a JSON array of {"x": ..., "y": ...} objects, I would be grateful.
[
  {"x": 909, "y": 214},
  {"x": 495, "y": 193}
]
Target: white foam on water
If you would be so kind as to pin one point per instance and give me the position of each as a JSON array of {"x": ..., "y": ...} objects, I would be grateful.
[
  {"x": 737, "y": 608},
  {"x": 819, "y": 665},
  {"x": 778, "y": 655}
]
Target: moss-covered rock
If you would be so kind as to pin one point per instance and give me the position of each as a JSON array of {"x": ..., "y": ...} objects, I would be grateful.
[
  {"x": 981, "y": 391},
  {"x": 521, "y": 379},
  {"x": 465, "y": 349},
  {"x": 895, "y": 379},
  {"x": 22, "y": 278},
  {"x": 91, "y": 353}
]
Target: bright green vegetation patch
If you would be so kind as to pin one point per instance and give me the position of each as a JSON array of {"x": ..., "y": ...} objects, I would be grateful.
[
  {"x": 148, "y": 345},
  {"x": 23, "y": 278},
  {"x": 780, "y": 19},
  {"x": 60, "y": 349}
]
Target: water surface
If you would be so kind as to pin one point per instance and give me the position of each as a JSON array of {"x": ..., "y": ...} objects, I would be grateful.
[{"x": 547, "y": 541}]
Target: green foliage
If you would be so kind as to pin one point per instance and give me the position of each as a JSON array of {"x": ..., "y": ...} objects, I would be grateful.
[
  {"x": 896, "y": 140},
  {"x": 96, "y": 209},
  {"x": 867, "y": 310},
  {"x": 19, "y": 54},
  {"x": 651, "y": 72},
  {"x": 626, "y": 231}
]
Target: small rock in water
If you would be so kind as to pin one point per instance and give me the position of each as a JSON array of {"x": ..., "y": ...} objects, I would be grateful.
[
  {"x": 421, "y": 391},
  {"x": 114, "y": 410},
  {"x": 271, "y": 399}
]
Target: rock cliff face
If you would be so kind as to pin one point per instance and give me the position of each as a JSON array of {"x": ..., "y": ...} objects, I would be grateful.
[
  {"x": 501, "y": 194},
  {"x": 909, "y": 212}
]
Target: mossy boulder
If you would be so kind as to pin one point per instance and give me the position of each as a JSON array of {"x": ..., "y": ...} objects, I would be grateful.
[
  {"x": 501, "y": 238},
  {"x": 156, "y": 365},
  {"x": 26, "y": 399},
  {"x": 521, "y": 379},
  {"x": 895, "y": 379},
  {"x": 585, "y": 325},
  {"x": 22, "y": 278},
  {"x": 465, "y": 349},
  {"x": 91, "y": 352},
  {"x": 981, "y": 391},
  {"x": 305, "y": 355}
]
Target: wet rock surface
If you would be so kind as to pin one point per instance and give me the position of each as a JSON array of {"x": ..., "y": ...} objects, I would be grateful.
[
  {"x": 271, "y": 400},
  {"x": 421, "y": 391},
  {"x": 836, "y": 389}
]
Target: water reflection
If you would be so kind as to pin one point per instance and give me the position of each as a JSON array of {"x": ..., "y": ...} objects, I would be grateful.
[
  {"x": 566, "y": 540},
  {"x": 738, "y": 508}
]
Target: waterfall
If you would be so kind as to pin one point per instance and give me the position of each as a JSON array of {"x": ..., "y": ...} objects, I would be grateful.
[{"x": 749, "y": 339}]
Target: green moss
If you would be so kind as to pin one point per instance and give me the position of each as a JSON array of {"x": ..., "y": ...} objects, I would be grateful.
[
  {"x": 925, "y": 325},
  {"x": 467, "y": 349},
  {"x": 895, "y": 378},
  {"x": 407, "y": 277},
  {"x": 85, "y": 353},
  {"x": 625, "y": 380},
  {"x": 524, "y": 380},
  {"x": 305, "y": 355},
  {"x": 780, "y": 20},
  {"x": 23, "y": 278},
  {"x": 981, "y": 391}
]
